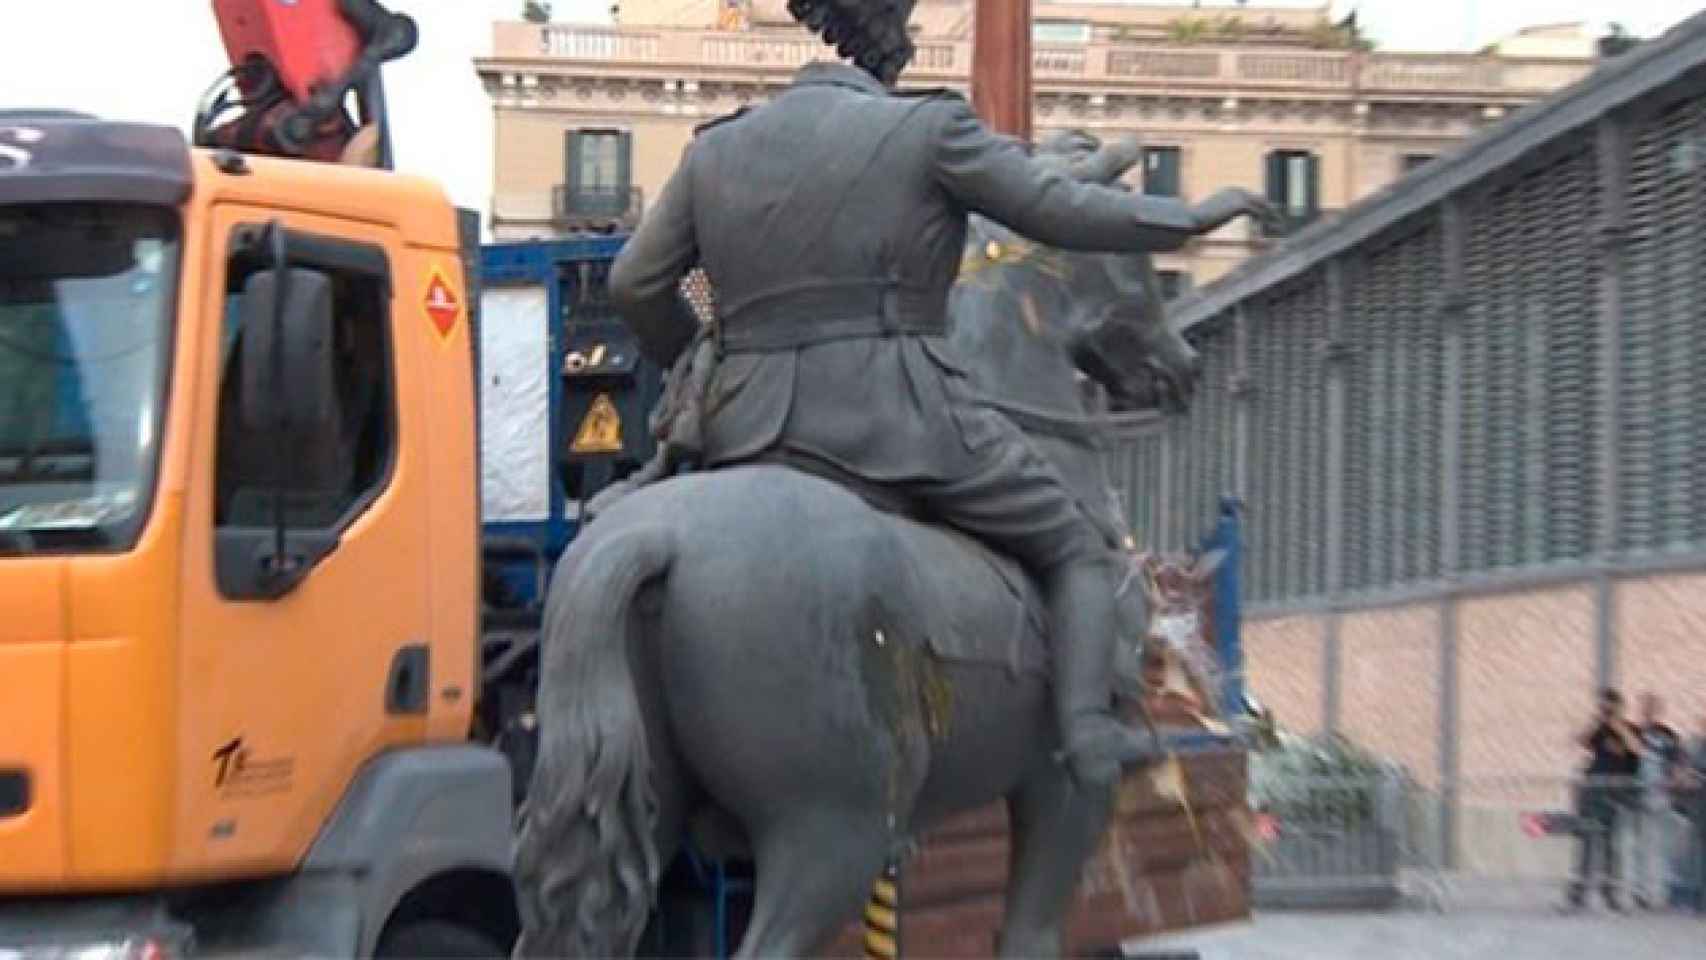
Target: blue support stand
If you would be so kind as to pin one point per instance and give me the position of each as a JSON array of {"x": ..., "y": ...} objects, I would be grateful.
[{"x": 1228, "y": 535}]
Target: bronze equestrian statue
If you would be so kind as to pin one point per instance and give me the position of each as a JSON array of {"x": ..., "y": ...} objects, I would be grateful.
[{"x": 798, "y": 650}]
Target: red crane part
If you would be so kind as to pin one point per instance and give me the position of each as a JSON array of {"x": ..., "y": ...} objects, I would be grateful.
[{"x": 307, "y": 42}]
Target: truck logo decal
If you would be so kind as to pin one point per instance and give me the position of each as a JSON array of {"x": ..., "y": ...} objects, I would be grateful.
[
  {"x": 442, "y": 305},
  {"x": 15, "y": 144},
  {"x": 236, "y": 772},
  {"x": 600, "y": 430}
]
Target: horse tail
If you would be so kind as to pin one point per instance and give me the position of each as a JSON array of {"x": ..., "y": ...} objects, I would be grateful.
[{"x": 587, "y": 860}]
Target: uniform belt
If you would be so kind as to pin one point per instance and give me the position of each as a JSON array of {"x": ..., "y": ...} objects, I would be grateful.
[{"x": 819, "y": 314}]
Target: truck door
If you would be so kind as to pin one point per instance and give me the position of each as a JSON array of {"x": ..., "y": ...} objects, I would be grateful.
[{"x": 283, "y": 697}]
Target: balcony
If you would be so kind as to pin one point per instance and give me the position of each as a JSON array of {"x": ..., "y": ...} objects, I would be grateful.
[
  {"x": 596, "y": 209},
  {"x": 771, "y": 55}
]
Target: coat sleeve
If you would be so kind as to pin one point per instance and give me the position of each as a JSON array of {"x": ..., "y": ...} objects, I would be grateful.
[
  {"x": 993, "y": 175},
  {"x": 645, "y": 280}
]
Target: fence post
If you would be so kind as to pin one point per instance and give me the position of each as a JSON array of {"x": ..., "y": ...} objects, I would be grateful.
[
  {"x": 1453, "y": 306},
  {"x": 1331, "y": 662},
  {"x": 1612, "y": 143},
  {"x": 1335, "y": 353}
]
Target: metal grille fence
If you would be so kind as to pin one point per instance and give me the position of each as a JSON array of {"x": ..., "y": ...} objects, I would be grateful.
[
  {"x": 1370, "y": 840},
  {"x": 1492, "y": 368},
  {"x": 1660, "y": 448}
]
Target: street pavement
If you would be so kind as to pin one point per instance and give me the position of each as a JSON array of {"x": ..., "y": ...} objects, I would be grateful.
[{"x": 1501, "y": 927}]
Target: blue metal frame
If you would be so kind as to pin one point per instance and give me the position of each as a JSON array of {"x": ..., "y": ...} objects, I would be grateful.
[
  {"x": 534, "y": 263},
  {"x": 1228, "y": 535}
]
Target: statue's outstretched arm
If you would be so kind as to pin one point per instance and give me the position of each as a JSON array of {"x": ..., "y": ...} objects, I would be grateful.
[
  {"x": 1049, "y": 203},
  {"x": 646, "y": 276}
]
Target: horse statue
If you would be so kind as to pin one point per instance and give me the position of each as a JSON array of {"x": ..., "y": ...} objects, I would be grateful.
[{"x": 784, "y": 667}]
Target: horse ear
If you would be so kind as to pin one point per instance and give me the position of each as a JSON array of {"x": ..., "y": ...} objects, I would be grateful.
[
  {"x": 1108, "y": 163},
  {"x": 1120, "y": 156}
]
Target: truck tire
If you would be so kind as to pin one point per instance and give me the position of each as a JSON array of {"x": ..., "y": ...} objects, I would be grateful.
[{"x": 433, "y": 939}]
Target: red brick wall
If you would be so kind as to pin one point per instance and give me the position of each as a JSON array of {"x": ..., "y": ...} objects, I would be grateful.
[
  {"x": 1526, "y": 666},
  {"x": 1661, "y": 645},
  {"x": 1389, "y": 686},
  {"x": 1283, "y": 667}
]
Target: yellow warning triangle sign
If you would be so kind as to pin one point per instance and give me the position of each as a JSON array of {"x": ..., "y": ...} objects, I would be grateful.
[{"x": 600, "y": 430}]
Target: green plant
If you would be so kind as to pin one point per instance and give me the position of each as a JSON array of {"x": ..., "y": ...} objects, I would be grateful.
[
  {"x": 1344, "y": 35},
  {"x": 1187, "y": 30},
  {"x": 1323, "y": 780},
  {"x": 536, "y": 11}
]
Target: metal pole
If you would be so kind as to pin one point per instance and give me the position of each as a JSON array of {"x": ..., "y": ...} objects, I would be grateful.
[{"x": 1001, "y": 65}]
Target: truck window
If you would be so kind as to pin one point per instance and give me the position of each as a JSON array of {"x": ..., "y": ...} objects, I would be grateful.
[
  {"x": 86, "y": 293},
  {"x": 330, "y": 480}
]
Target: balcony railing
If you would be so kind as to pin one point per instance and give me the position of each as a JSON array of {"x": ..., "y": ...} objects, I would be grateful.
[
  {"x": 596, "y": 208},
  {"x": 709, "y": 52}
]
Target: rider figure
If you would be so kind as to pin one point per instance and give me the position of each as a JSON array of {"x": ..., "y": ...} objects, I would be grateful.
[{"x": 831, "y": 222}]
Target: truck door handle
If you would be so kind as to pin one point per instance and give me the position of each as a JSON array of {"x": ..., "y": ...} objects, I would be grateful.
[{"x": 411, "y": 674}]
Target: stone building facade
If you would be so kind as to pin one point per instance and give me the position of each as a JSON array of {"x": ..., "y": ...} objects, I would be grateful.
[{"x": 591, "y": 120}]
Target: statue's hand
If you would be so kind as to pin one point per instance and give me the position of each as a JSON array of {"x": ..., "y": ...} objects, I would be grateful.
[
  {"x": 1235, "y": 202},
  {"x": 1264, "y": 212}
]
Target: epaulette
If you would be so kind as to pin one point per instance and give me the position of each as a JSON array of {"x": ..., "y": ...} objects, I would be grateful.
[{"x": 719, "y": 121}]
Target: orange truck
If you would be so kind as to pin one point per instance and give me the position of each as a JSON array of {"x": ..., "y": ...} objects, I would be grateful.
[{"x": 238, "y": 557}]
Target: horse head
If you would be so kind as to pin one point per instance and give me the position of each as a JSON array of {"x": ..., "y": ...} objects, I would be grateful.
[{"x": 1104, "y": 311}]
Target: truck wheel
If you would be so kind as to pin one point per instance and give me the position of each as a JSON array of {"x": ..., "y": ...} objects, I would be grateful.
[{"x": 432, "y": 939}]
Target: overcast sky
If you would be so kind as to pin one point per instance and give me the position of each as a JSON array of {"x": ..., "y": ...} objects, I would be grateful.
[{"x": 152, "y": 60}]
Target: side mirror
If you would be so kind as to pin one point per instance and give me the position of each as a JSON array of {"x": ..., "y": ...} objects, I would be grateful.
[
  {"x": 288, "y": 383},
  {"x": 288, "y": 398}
]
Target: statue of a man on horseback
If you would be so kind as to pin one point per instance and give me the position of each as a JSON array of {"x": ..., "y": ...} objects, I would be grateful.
[
  {"x": 749, "y": 655},
  {"x": 831, "y": 223}
]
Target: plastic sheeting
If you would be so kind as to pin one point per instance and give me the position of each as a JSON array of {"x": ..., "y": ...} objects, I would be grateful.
[{"x": 515, "y": 404}]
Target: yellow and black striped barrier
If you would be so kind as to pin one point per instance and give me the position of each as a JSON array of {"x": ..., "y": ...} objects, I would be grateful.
[{"x": 882, "y": 916}]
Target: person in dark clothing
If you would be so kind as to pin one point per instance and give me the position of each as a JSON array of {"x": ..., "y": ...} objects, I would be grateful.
[
  {"x": 1654, "y": 823},
  {"x": 1688, "y": 787},
  {"x": 1608, "y": 782}
]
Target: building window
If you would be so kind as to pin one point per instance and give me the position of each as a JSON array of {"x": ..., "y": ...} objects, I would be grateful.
[
  {"x": 1174, "y": 284},
  {"x": 1060, "y": 31},
  {"x": 1413, "y": 161},
  {"x": 599, "y": 172},
  {"x": 1161, "y": 171},
  {"x": 1294, "y": 185}
]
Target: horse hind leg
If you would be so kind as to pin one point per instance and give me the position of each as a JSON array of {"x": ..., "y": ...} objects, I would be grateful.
[
  {"x": 814, "y": 874},
  {"x": 1055, "y": 828}
]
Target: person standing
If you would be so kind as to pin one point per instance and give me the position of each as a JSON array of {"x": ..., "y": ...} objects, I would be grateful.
[
  {"x": 1652, "y": 821},
  {"x": 1688, "y": 785},
  {"x": 1614, "y": 748}
]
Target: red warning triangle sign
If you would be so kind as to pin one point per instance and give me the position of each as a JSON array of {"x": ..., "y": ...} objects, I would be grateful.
[{"x": 442, "y": 305}]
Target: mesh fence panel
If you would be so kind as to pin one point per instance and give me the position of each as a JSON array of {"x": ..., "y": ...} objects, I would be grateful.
[{"x": 1661, "y": 453}]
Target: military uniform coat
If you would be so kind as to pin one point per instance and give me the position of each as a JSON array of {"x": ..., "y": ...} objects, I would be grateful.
[{"x": 839, "y": 192}]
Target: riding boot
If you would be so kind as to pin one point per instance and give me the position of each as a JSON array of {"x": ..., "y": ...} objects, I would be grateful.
[{"x": 1085, "y": 629}]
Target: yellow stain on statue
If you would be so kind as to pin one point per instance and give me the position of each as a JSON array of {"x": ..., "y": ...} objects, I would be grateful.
[
  {"x": 1033, "y": 319},
  {"x": 600, "y": 430}
]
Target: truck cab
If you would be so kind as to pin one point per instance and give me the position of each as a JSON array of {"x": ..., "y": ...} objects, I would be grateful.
[{"x": 238, "y": 556}]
